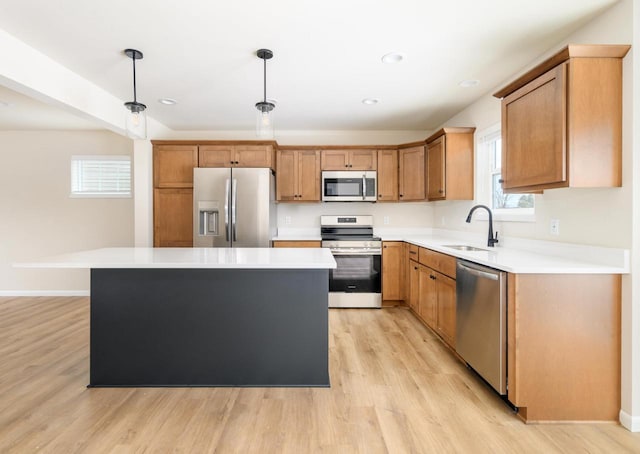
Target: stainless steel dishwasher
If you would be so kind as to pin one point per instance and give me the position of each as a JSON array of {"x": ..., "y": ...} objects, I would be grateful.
[{"x": 481, "y": 321}]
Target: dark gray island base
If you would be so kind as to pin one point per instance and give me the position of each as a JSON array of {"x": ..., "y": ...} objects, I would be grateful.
[{"x": 209, "y": 327}]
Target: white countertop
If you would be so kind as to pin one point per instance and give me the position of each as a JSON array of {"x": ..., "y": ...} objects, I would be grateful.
[
  {"x": 514, "y": 255},
  {"x": 520, "y": 261},
  {"x": 230, "y": 258}
]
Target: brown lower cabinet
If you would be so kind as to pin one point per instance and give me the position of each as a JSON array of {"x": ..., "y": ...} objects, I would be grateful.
[
  {"x": 173, "y": 217},
  {"x": 563, "y": 346},
  {"x": 563, "y": 335},
  {"x": 432, "y": 294},
  {"x": 392, "y": 272},
  {"x": 297, "y": 244}
]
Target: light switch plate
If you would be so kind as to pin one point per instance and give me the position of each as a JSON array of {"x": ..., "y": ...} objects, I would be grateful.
[
  {"x": 386, "y": 220},
  {"x": 554, "y": 227}
]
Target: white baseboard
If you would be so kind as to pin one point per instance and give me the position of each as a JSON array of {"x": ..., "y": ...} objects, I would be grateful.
[
  {"x": 44, "y": 292},
  {"x": 631, "y": 423}
]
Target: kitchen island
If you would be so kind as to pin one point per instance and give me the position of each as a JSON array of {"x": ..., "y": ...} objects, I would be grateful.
[{"x": 206, "y": 316}]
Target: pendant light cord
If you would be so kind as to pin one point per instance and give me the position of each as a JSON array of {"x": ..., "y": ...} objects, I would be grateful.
[
  {"x": 264, "y": 60},
  {"x": 134, "y": 78}
]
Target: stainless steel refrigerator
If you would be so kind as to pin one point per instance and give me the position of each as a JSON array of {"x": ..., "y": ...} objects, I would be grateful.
[{"x": 233, "y": 207}]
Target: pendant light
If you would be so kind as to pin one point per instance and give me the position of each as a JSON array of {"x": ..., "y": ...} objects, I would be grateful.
[
  {"x": 136, "y": 118},
  {"x": 264, "y": 120}
]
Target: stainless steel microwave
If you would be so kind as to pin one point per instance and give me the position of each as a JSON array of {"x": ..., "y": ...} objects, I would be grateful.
[{"x": 349, "y": 186}]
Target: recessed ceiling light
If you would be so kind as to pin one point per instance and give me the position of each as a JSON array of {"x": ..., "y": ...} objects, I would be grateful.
[
  {"x": 469, "y": 83},
  {"x": 370, "y": 101},
  {"x": 167, "y": 101},
  {"x": 392, "y": 58}
]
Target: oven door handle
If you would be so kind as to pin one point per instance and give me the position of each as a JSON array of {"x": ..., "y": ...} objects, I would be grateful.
[{"x": 356, "y": 251}]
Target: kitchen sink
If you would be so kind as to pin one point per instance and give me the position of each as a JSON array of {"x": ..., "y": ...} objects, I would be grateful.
[{"x": 464, "y": 247}]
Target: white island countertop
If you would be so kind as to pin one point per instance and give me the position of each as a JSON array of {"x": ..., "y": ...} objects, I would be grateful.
[{"x": 229, "y": 258}]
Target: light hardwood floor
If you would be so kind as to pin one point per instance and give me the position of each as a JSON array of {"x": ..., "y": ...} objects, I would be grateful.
[{"x": 395, "y": 388}]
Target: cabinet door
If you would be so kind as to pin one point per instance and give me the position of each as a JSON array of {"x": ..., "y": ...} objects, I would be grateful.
[
  {"x": 428, "y": 300},
  {"x": 172, "y": 217},
  {"x": 534, "y": 132},
  {"x": 387, "y": 175},
  {"x": 436, "y": 169},
  {"x": 446, "y": 323},
  {"x": 392, "y": 255},
  {"x": 363, "y": 160},
  {"x": 335, "y": 160},
  {"x": 297, "y": 244},
  {"x": 309, "y": 176},
  {"x": 216, "y": 156},
  {"x": 173, "y": 165},
  {"x": 411, "y": 180},
  {"x": 253, "y": 155},
  {"x": 414, "y": 285},
  {"x": 287, "y": 175}
]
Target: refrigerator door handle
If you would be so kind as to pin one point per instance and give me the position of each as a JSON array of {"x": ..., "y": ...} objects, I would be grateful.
[
  {"x": 226, "y": 210},
  {"x": 234, "y": 207}
]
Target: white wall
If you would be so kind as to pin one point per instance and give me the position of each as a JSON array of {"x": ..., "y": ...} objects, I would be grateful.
[
  {"x": 37, "y": 216},
  {"x": 630, "y": 412},
  {"x": 400, "y": 215}
]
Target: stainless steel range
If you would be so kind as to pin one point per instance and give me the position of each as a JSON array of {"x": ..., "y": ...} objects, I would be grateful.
[{"x": 356, "y": 282}]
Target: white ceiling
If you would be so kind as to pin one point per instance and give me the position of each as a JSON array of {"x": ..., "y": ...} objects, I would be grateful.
[{"x": 327, "y": 54}]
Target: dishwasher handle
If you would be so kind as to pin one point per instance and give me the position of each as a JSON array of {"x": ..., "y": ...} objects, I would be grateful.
[{"x": 481, "y": 271}]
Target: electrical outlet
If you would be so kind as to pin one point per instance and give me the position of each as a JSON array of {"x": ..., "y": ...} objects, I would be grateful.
[
  {"x": 386, "y": 220},
  {"x": 287, "y": 220},
  {"x": 554, "y": 227}
]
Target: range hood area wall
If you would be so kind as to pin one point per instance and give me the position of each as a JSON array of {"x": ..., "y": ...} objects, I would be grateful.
[{"x": 398, "y": 215}]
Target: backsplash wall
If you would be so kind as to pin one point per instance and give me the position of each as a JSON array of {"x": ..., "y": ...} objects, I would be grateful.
[{"x": 400, "y": 215}]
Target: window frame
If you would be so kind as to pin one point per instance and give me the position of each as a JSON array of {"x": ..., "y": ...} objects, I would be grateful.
[
  {"x": 485, "y": 171},
  {"x": 74, "y": 194}
]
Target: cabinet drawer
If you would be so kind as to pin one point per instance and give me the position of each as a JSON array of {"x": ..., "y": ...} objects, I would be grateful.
[
  {"x": 443, "y": 263},
  {"x": 413, "y": 252}
]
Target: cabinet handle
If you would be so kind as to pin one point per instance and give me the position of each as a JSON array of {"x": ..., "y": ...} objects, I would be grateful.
[
  {"x": 230, "y": 162},
  {"x": 413, "y": 252},
  {"x": 401, "y": 195},
  {"x": 440, "y": 191},
  {"x": 380, "y": 195},
  {"x": 415, "y": 267},
  {"x": 500, "y": 180}
]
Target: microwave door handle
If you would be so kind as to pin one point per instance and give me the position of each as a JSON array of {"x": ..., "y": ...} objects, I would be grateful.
[{"x": 364, "y": 186}]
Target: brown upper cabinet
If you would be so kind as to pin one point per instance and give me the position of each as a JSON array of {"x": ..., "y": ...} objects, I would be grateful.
[
  {"x": 355, "y": 159},
  {"x": 562, "y": 121},
  {"x": 298, "y": 175},
  {"x": 231, "y": 155},
  {"x": 387, "y": 175},
  {"x": 173, "y": 165},
  {"x": 450, "y": 164},
  {"x": 411, "y": 172}
]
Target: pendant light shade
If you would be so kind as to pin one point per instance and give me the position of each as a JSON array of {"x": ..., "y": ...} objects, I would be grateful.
[
  {"x": 136, "y": 118},
  {"x": 264, "y": 119}
]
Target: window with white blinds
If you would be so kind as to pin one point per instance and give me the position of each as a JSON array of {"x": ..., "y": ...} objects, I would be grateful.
[{"x": 100, "y": 176}]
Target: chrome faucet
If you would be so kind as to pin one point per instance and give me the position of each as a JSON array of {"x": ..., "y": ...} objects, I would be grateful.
[{"x": 491, "y": 240}]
